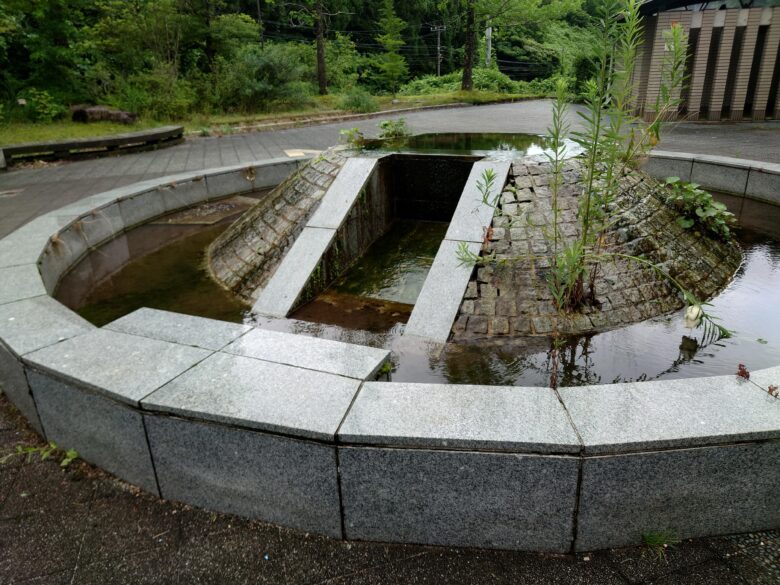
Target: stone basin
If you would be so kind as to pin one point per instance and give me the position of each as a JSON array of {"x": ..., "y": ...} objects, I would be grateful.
[{"x": 303, "y": 432}]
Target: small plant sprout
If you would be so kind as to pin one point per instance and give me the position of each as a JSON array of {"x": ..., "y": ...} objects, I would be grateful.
[
  {"x": 393, "y": 129},
  {"x": 354, "y": 137},
  {"x": 485, "y": 185},
  {"x": 44, "y": 452},
  {"x": 659, "y": 542},
  {"x": 697, "y": 207}
]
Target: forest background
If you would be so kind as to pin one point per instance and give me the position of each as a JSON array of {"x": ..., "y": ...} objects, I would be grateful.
[{"x": 207, "y": 62}]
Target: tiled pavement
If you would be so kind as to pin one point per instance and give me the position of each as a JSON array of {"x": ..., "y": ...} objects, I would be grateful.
[{"x": 83, "y": 526}]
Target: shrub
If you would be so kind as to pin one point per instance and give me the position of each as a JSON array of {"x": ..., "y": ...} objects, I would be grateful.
[
  {"x": 159, "y": 93},
  {"x": 696, "y": 206},
  {"x": 484, "y": 80},
  {"x": 393, "y": 129},
  {"x": 358, "y": 100},
  {"x": 262, "y": 78},
  {"x": 39, "y": 106}
]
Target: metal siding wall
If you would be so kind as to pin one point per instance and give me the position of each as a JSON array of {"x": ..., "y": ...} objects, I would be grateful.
[
  {"x": 767, "y": 66},
  {"x": 643, "y": 71},
  {"x": 700, "y": 65},
  {"x": 648, "y": 75},
  {"x": 722, "y": 67},
  {"x": 746, "y": 60}
]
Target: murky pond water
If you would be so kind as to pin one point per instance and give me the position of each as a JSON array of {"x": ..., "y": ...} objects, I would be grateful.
[{"x": 370, "y": 305}]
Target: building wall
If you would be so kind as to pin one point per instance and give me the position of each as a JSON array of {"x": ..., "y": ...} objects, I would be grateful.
[{"x": 732, "y": 64}]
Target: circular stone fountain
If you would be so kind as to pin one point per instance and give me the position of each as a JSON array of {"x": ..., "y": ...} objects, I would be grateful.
[{"x": 309, "y": 432}]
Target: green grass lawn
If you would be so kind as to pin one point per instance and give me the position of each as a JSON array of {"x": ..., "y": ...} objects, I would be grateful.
[{"x": 15, "y": 133}]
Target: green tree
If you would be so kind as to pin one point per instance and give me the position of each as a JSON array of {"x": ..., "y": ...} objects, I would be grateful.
[{"x": 391, "y": 66}]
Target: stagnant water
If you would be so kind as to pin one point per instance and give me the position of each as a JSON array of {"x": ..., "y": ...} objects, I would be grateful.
[
  {"x": 495, "y": 144},
  {"x": 173, "y": 277}
]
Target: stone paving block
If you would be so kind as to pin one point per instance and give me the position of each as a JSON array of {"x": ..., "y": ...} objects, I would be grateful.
[
  {"x": 186, "y": 193},
  {"x": 764, "y": 185},
  {"x": 472, "y": 217},
  {"x": 277, "y": 479},
  {"x": 345, "y": 359},
  {"x": 260, "y": 395},
  {"x": 273, "y": 172},
  {"x": 343, "y": 192},
  {"x": 178, "y": 328},
  {"x": 717, "y": 177},
  {"x": 230, "y": 182},
  {"x": 99, "y": 225},
  {"x": 20, "y": 282},
  {"x": 494, "y": 500},
  {"x": 123, "y": 367},
  {"x": 103, "y": 431},
  {"x": 34, "y": 323},
  {"x": 279, "y": 296},
  {"x": 693, "y": 492},
  {"x": 672, "y": 413},
  {"x": 17, "y": 251},
  {"x": 661, "y": 166},
  {"x": 13, "y": 383},
  {"x": 141, "y": 207},
  {"x": 441, "y": 294},
  {"x": 459, "y": 417}
]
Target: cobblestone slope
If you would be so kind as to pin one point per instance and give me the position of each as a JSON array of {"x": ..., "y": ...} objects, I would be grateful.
[
  {"x": 511, "y": 297},
  {"x": 244, "y": 257}
]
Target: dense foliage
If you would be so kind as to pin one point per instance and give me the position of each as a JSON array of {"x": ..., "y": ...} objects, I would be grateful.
[{"x": 169, "y": 59}]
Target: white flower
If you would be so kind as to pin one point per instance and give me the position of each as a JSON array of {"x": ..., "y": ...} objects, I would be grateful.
[{"x": 693, "y": 315}]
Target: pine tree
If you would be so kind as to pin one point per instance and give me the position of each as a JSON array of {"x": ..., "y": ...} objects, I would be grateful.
[{"x": 391, "y": 66}]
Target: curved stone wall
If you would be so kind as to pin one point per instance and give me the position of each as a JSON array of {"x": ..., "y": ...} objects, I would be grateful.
[{"x": 295, "y": 430}]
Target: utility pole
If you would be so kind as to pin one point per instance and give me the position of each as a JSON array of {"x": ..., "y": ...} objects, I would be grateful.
[
  {"x": 438, "y": 29},
  {"x": 488, "y": 43}
]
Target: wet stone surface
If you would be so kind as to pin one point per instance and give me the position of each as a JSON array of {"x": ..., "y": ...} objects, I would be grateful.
[
  {"x": 511, "y": 296},
  {"x": 246, "y": 255}
]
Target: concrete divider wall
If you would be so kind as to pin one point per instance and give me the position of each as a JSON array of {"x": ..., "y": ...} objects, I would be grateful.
[
  {"x": 294, "y": 430},
  {"x": 746, "y": 178}
]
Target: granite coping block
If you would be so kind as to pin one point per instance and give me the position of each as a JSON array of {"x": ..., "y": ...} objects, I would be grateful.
[
  {"x": 277, "y": 479},
  {"x": 448, "y": 416},
  {"x": 667, "y": 414},
  {"x": 324, "y": 355},
  {"x": 103, "y": 431},
  {"x": 342, "y": 193},
  {"x": 123, "y": 367},
  {"x": 692, "y": 492},
  {"x": 729, "y": 161},
  {"x": 287, "y": 283},
  {"x": 31, "y": 324},
  {"x": 177, "y": 328},
  {"x": 255, "y": 394},
  {"x": 473, "y": 216},
  {"x": 441, "y": 294},
  {"x": 20, "y": 282},
  {"x": 13, "y": 383},
  {"x": 459, "y": 498}
]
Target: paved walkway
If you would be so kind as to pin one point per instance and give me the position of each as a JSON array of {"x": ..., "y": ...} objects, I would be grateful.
[
  {"x": 27, "y": 193},
  {"x": 81, "y": 526}
]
